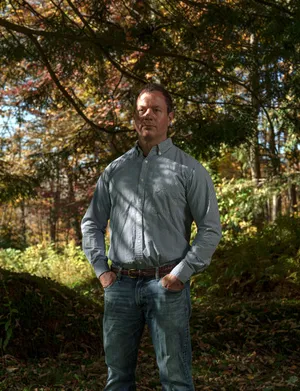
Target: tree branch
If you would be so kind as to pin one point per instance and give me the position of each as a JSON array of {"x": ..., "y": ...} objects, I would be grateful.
[
  {"x": 100, "y": 42},
  {"x": 274, "y": 5},
  {"x": 64, "y": 91},
  {"x": 104, "y": 51},
  {"x": 41, "y": 33}
]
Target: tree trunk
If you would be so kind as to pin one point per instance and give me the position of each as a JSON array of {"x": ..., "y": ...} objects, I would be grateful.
[
  {"x": 254, "y": 81},
  {"x": 73, "y": 212},
  {"x": 293, "y": 198},
  {"x": 54, "y": 209},
  {"x": 276, "y": 206},
  {"x": 254, "y": 150},
  {"x": 255, "y": 160},
  {"x": 23, "y": 222},
  {"x": 292, "y": 166}
]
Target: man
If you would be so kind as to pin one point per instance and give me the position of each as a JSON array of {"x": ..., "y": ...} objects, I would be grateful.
[{"x": 151, "y": 195}]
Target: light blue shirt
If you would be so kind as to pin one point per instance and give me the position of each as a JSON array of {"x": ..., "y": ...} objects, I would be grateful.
[{"x": 150, "y": 203}]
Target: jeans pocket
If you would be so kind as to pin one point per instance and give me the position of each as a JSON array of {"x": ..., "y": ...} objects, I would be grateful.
[{"x": 170, "y": 290}]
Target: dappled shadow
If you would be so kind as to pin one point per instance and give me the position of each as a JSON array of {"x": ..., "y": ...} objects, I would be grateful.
[{"x": 150, "y": 220}]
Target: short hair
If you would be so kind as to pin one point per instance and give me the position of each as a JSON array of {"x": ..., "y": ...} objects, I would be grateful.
[{"x": 150, "y": 87}]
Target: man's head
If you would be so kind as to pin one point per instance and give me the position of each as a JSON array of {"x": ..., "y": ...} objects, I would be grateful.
[
  {"x": 153, "y": 113},
  {"x": 150, "y": 87}
]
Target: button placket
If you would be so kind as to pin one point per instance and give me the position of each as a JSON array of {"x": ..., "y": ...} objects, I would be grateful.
[{"x": 140, "y": 211}]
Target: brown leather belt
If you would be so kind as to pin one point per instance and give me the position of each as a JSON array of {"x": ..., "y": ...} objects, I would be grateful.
[{"x": 135, "y": 273}]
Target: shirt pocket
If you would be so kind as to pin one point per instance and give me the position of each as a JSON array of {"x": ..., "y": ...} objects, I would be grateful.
[
  {"x": 166, "y": 196},
  {"x": 166, "y": 188}
]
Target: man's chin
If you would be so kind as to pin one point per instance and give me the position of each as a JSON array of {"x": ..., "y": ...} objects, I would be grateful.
[{"x": 148, "y": 132}]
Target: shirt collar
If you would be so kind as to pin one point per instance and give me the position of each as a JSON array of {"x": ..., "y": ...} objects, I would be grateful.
[
  {"x": 159, "y": 148},
  {"x": 165, "y": 145}
]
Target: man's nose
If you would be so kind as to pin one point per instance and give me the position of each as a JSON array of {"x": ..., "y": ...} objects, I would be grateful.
[{"x": 148, "y": 113}]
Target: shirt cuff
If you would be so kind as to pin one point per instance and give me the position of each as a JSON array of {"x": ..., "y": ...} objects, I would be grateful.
[
  {"x": 100, "y": 267},
  {"x": 182, "y": 271}
]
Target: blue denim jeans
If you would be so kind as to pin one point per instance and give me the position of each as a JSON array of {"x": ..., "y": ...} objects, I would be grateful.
[{"x": 130, "y": 303}]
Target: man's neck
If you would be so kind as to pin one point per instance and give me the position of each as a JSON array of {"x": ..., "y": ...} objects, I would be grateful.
[{"x": 146, "y": 145}]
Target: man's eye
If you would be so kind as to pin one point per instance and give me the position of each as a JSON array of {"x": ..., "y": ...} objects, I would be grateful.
[{"x": 141, "y": 110}]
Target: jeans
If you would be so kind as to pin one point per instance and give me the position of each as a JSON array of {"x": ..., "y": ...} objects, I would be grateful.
[{"x": 130, "y": 303}]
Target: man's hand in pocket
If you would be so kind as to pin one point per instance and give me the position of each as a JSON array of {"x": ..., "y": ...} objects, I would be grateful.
[{"x": 107, "y": 279}]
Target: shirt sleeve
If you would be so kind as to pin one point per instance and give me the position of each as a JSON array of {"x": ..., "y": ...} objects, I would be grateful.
[
  {"x": 93, "y": 226},
  {"x": 202, "y": 201}
]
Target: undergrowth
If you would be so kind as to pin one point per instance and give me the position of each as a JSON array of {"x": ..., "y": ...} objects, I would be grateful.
[
  {"x": 67, "y": 265},
  {"x": 244, "y": 325},
  {"x": 268, "y": 262}
]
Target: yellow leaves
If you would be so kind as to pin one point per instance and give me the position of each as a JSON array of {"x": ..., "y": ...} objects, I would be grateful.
[
  {"x": 149, "y": 75},
  {"x": 247, "y": 227},
  {"x": 132, "y": 60}
]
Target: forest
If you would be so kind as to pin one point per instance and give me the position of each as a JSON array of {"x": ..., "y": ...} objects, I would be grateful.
[{"x": 70, "y": 71}]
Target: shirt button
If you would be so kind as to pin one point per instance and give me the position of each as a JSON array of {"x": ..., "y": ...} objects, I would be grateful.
[
  {"x": 142, "y": 180},
  {"x": 146, "y": 161}
]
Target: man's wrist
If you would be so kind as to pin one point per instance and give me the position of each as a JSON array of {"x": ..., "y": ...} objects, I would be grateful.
[
  {"x": 100, "y": 268},
  {"x": 177, "y": 277},
  {"x": 182, "y": 271}
]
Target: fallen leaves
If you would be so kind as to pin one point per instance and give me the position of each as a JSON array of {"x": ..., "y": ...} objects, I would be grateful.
[{"x": 237, "y": 345}]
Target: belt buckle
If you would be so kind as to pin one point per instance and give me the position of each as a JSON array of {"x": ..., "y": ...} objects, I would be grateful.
[{"x": 131, "y": 270}]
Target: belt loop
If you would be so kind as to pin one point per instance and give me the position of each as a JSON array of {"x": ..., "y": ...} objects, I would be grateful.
[
  {"x": 119, "y": 273},
  {"x": 157, "y": 273}
]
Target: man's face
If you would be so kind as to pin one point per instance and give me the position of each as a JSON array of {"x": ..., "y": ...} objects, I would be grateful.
[{"x": 151, "y": 119}]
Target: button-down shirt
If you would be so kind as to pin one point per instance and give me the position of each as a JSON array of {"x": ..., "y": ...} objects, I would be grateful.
[{"x": 150, "y": 203}]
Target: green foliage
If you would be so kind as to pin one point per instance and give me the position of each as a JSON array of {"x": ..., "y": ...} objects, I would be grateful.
[
  {"x": 67, "y": 266},
  {"x": 230, "y": 67},
  {"x": 13, "y": 186},
  {"x": 209, "y": 133},
  {"x": 11, "y": 237},
  {"x": 267, "y": 262},
  {"x": 242, "y": 203}
]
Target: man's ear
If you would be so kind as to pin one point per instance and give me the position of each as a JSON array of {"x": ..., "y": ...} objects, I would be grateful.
[{"x": 171, "y": 117}]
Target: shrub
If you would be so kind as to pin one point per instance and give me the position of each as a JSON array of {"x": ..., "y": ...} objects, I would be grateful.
[
  {"x": 267, "y": 262},
  {"x": 66, "y": 265}
]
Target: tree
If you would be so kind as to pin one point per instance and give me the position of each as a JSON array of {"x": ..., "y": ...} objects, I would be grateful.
[{"x": 73, "y": 67}]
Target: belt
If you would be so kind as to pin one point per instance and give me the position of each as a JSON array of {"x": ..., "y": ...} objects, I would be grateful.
[{"x": 135, "y": 273}]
